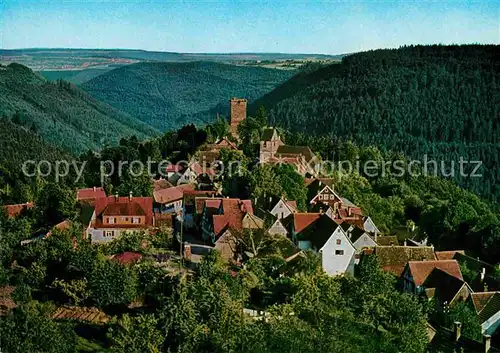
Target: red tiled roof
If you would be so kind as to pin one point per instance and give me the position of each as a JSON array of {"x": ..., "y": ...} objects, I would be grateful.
[
  {"x": 127, "y": 257},
  {"x": 174, "y": 168},
  {"x": 420, "y": 270},
  {"x": 161, "y": 184},
  {"x": 302, "y": 220},
  {"x": 16, "y": 210},
  {"x": 448, "y": 255},
  {"x": 233, "y": 212},
  {"x": 480, "y": 299},
  {"x": 90, "y": 193},
  {"x": 200, "y": 203},
  {"x": 168, "y": 195},
  {"x": 124, "y": 206},
  {"x": 198, "y": 169},
  {"x": 292, "y": 204}
]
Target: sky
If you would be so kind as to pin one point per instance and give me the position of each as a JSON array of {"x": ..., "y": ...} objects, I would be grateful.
[{"x": 287, "y": 26}]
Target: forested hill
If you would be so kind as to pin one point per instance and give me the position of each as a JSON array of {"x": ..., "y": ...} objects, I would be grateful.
[
  {"x": 443, "y": 101},
  {"x": 62, "y": 113},
  {"x": 170, "y": 95},
  {"x": 20, "y": 144}
]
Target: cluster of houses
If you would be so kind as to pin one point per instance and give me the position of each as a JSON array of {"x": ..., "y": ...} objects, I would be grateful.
[{"x": 189, "y": 202}]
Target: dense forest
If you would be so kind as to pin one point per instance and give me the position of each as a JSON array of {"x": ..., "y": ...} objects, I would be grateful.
[
  {"x": 20, "y": 144},
  {"x": 170, "y": 95},
  {"x": 440, "y": 101},
  {"x": 61, "y": 113}
]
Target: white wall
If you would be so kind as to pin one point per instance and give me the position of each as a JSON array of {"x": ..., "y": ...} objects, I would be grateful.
[
  {"x": 336, "y": 264},
  {"x": 280, "y": 210},
  {"x": 364, "y": 241}
]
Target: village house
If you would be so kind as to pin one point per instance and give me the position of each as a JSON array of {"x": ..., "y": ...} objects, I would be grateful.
[
  {"x": 170, "y": 200},
  {"x": 113, "y": 215},
  {"x": 487, "y": 307},
  {"x": 363, "y": 239},
  {"x": 416, "y": 273},
  {"x": 274, "y": 151},
  {"x": 210, "y": 153},
  {"x": 446, "y": 289},
  {"x": 222, "y": 218},
  {"x": 90, "y": 194},
  {"x": 276, "y": 212},
  {"x": 13, "y": 211},
  {"x": 321, "y": 234}
]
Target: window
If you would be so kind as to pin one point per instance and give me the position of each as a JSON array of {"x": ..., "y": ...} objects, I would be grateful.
[
  {"x": 111, "y": 220},
  {"x": 135, "y": 220},
  {"x": 339, "y": 241},
  {"x": 339, "y": 252},
  {"x": 108, "y": 234},
  {"x": 320, "y": 196},
  {"x": 332, "y": 197}
]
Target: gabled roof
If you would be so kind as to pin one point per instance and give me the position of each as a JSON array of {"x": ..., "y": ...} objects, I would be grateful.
[
  {"x": 420, "y": 270},
  {"x": 234, "y": 210},
  {"x": 321, "y": 230},
  {"x": 488, "y": 303},
  {"x": 394, "y": 258},
  {"x": 480, "y": 299},
  {"x": 161, "y": 184},
  {"x": 200, "y": 203},
  {"x": 168, "y": 195},
  {"x": 446, "y": 286},
  {"x": 90, "y": 193},
  {"x": 295, "y": 151},
  {"x": 17, "y": 209},
  {"x": 448, "y": 255},
  {"x": 303, "y": 220},
  {"x": 326, "y": 181},
  {"x": 198, "y": 169},
  {"x": 124, "y": 206}
]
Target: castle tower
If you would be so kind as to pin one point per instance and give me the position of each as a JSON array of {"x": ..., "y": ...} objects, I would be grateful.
[{"x": 238, "y": 114}]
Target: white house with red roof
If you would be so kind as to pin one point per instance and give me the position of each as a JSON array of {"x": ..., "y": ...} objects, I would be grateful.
[
  {"x": 320, "y": 233},
  {"x": 113, "y": 215}
]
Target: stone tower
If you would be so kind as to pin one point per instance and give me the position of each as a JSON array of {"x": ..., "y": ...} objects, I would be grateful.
[{"x": 238, "y": 114}]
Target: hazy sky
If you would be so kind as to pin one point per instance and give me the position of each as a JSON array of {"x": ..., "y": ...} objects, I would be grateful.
[{"x": 331, "y": 27}]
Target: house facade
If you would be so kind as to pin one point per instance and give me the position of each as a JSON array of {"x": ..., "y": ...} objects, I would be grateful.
[{"x": 114, "y": 215}]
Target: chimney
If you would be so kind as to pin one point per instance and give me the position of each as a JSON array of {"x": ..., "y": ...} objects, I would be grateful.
[
  {"x": 405, "y": 243},
  {"x": 483, "y": 274},
  {"x": 349, "y": 211},
  {"x": 487, "y": 343},
  {"x": 116, "y": 197},
  {"x": 130, "y": 196},
  {"x": 95, "y": 189},
  {"x": 458, "y": 330}
]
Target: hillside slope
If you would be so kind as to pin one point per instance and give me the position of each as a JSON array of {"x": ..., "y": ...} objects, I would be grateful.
[
  {"x": 443, "y": 101},
  {"x": 169, "y": 95},
  {"x": 19, "y": 144},
  {"x": 61, "y": 113}
]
